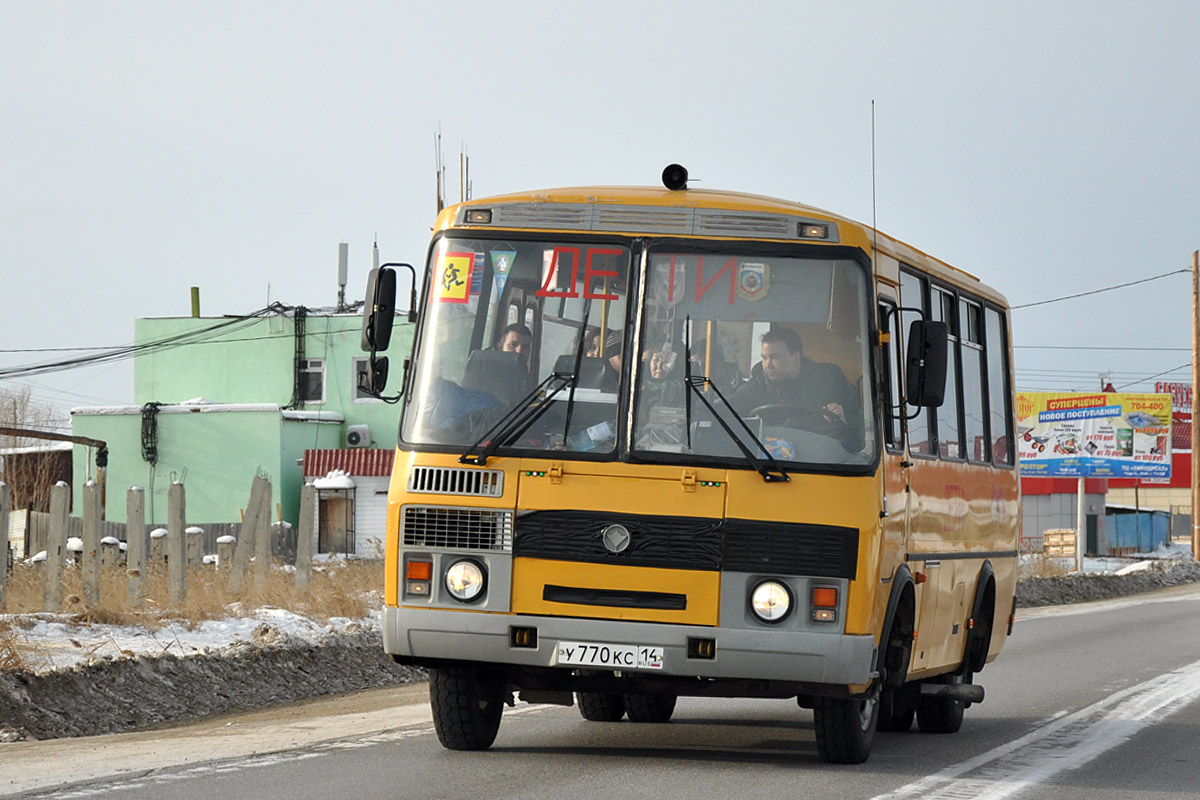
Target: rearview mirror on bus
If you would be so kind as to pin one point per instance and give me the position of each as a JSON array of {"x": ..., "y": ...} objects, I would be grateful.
[
  {"x": 379, "y": 310},
  {"x": 925, "y": 371},
  {"x": 376, "y": 377}
]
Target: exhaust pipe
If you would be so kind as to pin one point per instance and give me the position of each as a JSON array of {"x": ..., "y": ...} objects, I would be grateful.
[{"x": 964, "y": 692}]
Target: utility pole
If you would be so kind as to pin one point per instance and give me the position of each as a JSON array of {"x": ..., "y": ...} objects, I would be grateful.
[{"x": 1195, "y": 386}]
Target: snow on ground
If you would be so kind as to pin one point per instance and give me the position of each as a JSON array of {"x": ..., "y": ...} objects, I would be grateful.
[
  {"x": 56, "y": 641},
  {"x": 1169, "y": 554}
]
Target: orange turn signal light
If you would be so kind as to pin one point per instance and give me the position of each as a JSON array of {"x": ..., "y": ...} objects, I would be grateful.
[
  {"x": 420, "y": 570},
  {"x": 824, "y": 597}
]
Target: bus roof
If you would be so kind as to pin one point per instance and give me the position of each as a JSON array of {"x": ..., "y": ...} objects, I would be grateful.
[{"x": 852, "y": 231}]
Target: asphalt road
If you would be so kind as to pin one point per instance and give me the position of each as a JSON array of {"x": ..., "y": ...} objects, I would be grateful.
[{"x": 1095, "y": 701}]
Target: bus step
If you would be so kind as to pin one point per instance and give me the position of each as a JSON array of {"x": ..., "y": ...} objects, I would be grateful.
[{"x": 965, "y": 692}]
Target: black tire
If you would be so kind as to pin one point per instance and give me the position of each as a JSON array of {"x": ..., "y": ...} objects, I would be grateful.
[
  {"x": 895, "y": 713},
  {"x": 845, "y": 727},
  {"x": 940, "y": 714},
  {"x": 467, "y": 704},
  {"x": 600, "y": 707},
  {"x": 649, "y": 707}
]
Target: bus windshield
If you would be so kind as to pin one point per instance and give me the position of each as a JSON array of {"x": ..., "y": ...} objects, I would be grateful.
[
  {"x": 503, "y": 316},
  {"x": 523, "y": 348},
  {"x": 779, "y": 351}
]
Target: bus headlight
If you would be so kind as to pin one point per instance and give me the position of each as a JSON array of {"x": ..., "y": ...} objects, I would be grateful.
[
  {"x": 771, "y": 601},
  {"x": 465, "y": 580}
]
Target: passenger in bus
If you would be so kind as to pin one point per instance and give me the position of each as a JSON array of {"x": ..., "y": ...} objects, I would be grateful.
[
  {"x": 796, "y": 391},
  {"x": 517, "y": 338},
  {"x": 660, "y": 417}
]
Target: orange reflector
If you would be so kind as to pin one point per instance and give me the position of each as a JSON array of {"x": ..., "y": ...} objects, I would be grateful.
[
  {"x": 420, "y": 570},
  {"x": 824, "y": 597}
]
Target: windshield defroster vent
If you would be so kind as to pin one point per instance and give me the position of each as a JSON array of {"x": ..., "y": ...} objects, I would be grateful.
[{"x": 453, "y": 480}]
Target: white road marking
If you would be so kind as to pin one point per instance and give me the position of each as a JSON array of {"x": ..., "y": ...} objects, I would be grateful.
[
  {"x": 1063, "y": 743},
  {"x": 146, "y": 781}
]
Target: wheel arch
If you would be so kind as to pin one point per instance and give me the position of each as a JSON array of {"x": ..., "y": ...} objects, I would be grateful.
[
  {"x": 902, "y": 604},
  {"x": 983, "y": 610}
]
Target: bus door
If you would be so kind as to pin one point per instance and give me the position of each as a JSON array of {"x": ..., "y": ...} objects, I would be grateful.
[{"x": 895, "y": 464}]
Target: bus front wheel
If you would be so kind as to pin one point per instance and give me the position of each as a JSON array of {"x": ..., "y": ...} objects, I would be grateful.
[
  {"x": 845, "y": 726},
  {"x": 600, "y": 707},
  {"x": 467, "y": 704}
]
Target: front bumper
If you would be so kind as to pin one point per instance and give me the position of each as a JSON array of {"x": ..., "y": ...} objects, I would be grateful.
[{"x": 755, "y": 654}]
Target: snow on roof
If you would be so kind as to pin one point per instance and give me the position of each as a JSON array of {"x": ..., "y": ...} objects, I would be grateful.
[
  {"x": 336, "y": 479},
  {"x": 199, "y": 405},
  {"x": 314, "y": 416},
  {"x": 46, "y": 447},
  {"x": 180, "y": 408}
]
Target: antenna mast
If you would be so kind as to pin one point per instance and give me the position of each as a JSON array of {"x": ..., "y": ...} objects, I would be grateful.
[
  {"x": 440, "y": 167},
  {"x": 874, "y": 218}
]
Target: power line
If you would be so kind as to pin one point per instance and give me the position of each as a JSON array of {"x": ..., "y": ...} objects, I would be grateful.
[
  {"x": 1188, "y": 365},
  {"x": 126, "y": 352},
  {"x": 1098, "y": 291}
]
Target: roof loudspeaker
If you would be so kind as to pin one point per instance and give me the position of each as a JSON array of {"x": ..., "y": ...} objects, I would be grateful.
[{"x": 674, "y": 177}]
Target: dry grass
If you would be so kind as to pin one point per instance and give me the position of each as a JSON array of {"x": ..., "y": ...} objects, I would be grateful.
[
  {"x": 1039, "y": 565},
  {"x": 337, "y": 589}
]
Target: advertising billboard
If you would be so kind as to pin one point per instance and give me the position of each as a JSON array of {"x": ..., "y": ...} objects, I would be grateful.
[{"x": 1104, "y": 435}]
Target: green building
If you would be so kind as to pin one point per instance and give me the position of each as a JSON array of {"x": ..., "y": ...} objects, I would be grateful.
[{"x": 219, "y": 400}]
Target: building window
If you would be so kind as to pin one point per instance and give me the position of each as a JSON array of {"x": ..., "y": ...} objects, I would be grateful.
[
  {"x": 362, "y": 367},
  {"x": 311, "y": 377}
]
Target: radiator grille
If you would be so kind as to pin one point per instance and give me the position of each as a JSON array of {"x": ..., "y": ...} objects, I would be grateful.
[
  {"x": 457, "y": 528},
  {"x": 454, "y": 480}
]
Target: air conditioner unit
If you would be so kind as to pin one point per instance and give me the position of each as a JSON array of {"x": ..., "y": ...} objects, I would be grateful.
[{"x": 358, "y": 436}]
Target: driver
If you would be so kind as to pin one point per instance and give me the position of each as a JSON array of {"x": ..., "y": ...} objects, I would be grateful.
[{"x": 790, "y": 379}]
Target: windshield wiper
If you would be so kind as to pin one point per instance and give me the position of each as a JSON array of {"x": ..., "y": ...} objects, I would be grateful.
[
  {"x": 770, "y": 474},
  {"x": 518, "y": 419},
  {"x": 587, "y": 310}
]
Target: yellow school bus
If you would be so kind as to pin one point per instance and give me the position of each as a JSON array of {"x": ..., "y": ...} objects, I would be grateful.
[{"x": 662, "y": 442}]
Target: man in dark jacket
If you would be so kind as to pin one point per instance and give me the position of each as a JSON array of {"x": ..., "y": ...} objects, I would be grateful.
[{"x": 815, "y": 396}]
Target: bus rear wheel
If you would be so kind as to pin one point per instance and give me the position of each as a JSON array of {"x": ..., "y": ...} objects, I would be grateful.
[
  {"x": 467, "y": 704},
  {"x": 940, "y": 714},
  {"x": 649, "y": 707},
  {"x": 600, "y": 707},
  {"x": 845, "y": 726}
]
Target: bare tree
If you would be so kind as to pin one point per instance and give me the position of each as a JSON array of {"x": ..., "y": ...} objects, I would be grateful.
[{"x": 30, "y": 474}]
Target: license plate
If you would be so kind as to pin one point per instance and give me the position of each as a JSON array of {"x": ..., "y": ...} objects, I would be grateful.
[{"x": 609, "y": 656}]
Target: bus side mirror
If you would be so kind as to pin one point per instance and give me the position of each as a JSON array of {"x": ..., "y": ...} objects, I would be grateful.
[
  {"x": 925, "y": 368},
  {"x": 379, "y": 310},
  {"x": 377, "y": 375}
]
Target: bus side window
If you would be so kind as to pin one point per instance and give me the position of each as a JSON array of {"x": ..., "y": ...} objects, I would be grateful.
[
  {"x": 893, "y": 431},
  {"x": 998, "y": 388},
  {"x": 970, "y": 342},
  {"x": 949, "y": 418}
]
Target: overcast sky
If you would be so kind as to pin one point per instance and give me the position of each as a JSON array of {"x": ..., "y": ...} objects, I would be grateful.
[{"x": 145, "y": 147}]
